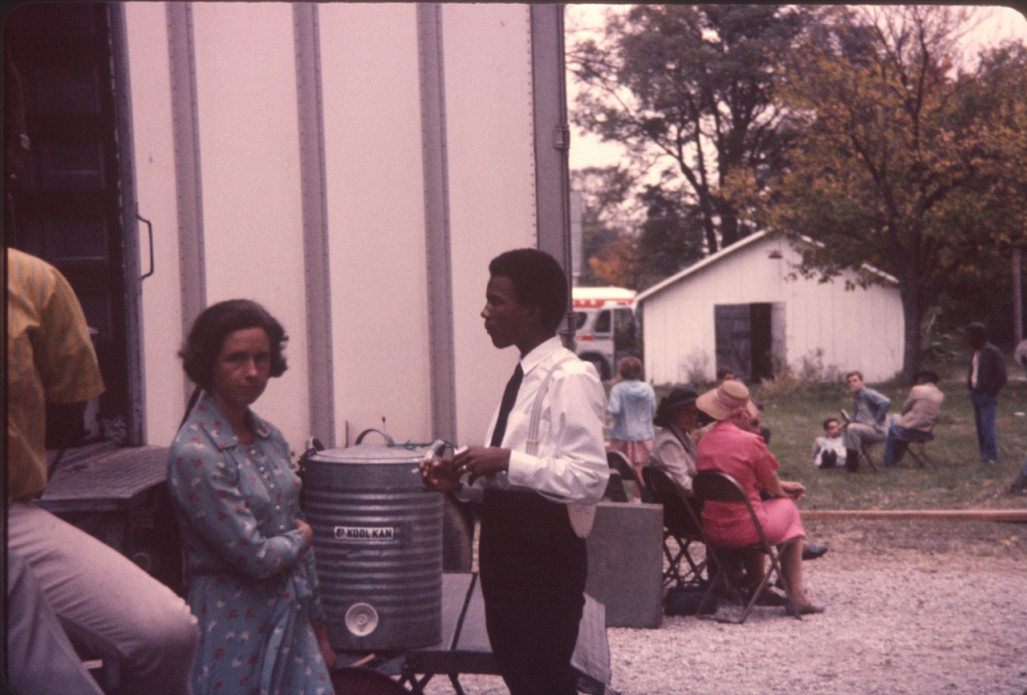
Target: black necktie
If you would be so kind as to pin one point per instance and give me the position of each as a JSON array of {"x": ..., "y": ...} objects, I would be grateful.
[{"x": 509, "y": 396}]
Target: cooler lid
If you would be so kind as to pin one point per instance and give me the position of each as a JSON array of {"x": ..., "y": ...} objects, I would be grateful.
[{"x": 377, "y": 452}]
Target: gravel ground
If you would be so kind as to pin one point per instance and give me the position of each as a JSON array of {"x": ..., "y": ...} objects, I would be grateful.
[{"x": 911, "y": 608}]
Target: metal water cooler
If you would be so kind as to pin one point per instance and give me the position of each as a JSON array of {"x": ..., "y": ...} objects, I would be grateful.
[{"x": 378, "y": 544}]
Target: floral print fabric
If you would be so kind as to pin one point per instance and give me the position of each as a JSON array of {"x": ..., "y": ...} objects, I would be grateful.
[{"x": 254, "y": 585}]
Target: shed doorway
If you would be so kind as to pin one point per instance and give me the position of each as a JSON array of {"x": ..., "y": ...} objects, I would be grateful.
[{"x": 749, "y": 339}]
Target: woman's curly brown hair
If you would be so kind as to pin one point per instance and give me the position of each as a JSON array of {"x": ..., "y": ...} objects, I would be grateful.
[{"x": 215, "y": 323}]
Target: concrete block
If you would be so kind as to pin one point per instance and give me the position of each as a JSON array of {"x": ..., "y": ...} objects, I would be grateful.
[{"x": 625, "y": 563}]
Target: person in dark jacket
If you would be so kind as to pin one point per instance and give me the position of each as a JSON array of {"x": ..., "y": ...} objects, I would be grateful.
[{"x": 986, "y": 378}]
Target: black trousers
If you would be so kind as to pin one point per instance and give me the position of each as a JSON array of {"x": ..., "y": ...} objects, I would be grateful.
[{"x": 533, "y": 571}]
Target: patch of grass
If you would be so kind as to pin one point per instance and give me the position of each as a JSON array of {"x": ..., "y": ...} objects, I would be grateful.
[{"x": 794, "y": 410}]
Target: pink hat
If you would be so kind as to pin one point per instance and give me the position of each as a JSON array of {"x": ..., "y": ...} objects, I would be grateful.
[{"x": 725, "y": 401}]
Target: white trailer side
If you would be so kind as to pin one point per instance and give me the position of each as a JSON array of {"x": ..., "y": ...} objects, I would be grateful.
[{"x": 353, "y": 167}]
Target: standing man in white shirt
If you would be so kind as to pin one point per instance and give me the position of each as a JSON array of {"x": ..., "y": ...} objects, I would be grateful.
[{"x": 546, "y": 456}]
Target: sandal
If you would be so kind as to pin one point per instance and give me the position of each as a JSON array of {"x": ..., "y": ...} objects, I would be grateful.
[{"x": 801, "y": 609}]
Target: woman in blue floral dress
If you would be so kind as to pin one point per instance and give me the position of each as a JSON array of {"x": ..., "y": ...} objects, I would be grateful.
[{"x": 254, "y": 585}]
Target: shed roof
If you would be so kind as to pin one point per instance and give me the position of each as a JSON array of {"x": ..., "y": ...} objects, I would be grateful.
[{"x": 734, "y": 248}]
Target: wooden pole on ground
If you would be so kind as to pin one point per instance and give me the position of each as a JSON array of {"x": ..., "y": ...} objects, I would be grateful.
[{"x": 1017, "y": 515}]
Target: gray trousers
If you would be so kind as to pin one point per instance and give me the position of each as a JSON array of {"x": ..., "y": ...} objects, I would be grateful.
[
  {"x": 856, "y": 435},
  {"x": 40, "y": 659},
  {"x": 108, "y": 606}
]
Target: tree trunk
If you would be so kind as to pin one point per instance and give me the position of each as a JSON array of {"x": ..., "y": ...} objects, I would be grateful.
[
  {"x": 711, "y": 235},
  {"x": 912, "y": 315}
]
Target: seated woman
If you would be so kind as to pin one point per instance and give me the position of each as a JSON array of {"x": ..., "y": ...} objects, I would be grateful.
[
  {"x": 254, "y": 584},
  {"x": 674, "y": 450},
  {"x": 735, "y": 447}
]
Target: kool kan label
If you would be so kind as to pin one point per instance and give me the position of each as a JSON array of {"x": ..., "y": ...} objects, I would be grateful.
[{"x": 367, "y": 534}]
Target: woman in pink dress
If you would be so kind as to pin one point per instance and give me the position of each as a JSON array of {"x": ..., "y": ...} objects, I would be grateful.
[{"x": 735, "y": 447}]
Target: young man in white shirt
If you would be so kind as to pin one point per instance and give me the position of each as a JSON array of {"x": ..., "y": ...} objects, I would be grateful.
[
  {"x": 829, "y": 449},
  {"x": 532, "y": 560}
]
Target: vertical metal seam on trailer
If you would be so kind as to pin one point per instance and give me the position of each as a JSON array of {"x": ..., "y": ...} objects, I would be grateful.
[
  {"x": 431, "y": 69},
  {"x": 188, "y": 188},
  {"x": 552, "y": 142},
  {"x": 317, "y": 272},
  {"x": 130, "y": 239}
]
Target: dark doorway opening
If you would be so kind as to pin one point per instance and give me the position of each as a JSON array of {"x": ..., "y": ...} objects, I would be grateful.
[
  {"x": 748, "y": 337},
  {"x": 68, "y": 205}
]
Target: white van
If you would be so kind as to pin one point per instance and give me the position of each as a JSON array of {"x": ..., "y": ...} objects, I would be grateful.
[{"x": 606, "y": 329}]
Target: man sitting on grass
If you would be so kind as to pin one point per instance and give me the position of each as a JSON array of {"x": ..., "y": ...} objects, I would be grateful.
[{"x": 829, "y": 449}]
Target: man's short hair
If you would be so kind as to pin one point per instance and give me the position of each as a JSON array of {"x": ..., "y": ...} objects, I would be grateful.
[
  {"x": 828, "y": 421},
  {"x": 538, "y": 280},
  {"x": 977, "y": 330},
  {"x": 925, "y": 375},
  {"x": 855, "y": 373}
]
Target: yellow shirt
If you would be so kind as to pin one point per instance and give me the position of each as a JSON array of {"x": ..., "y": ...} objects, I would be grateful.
[{"x": 50, "y": 358}]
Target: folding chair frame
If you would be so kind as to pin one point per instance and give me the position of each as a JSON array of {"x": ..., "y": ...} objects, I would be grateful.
[
  {"x": 867, "y": 455},
  {"x": 918, "y": 450},
  {"x": 716, "y": 486},
  {"x": 619, "y": 462},
  {"x": 681, "y": 524}
]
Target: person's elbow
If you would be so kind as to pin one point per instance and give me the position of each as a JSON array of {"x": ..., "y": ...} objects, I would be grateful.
[{"x": 594, "y": 484}]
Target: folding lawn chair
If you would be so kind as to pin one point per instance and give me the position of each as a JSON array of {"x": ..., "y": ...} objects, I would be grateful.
[
  {"x": 680, "y": 525},
  {"x": 615, "y": 488},
  {"x": 715, "y": 486},
  {"x": 918, "y": 450},
  {"x": 619, "y": 462}
]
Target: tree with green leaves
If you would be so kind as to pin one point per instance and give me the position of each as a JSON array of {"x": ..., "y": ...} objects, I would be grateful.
[
  {"x": 692, "y": 86},
  {"x": 606, "y": 237},
  {"x": 911, "y": 161}
]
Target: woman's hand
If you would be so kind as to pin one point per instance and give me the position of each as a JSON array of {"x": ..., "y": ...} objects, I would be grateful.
[
  {"x": 793, "y": 489},
  {"x": 308, "y": 533}
]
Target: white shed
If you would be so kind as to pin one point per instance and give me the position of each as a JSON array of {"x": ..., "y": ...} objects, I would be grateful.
[{"x": 747, "y": 308}]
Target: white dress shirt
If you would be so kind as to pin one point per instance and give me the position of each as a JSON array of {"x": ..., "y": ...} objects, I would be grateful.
[{"x": 570, "y": 464}]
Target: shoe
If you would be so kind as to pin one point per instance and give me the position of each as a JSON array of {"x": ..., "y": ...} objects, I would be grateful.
[
  {"x": 800, "y": 609},
  {"x": 769, "y": 597},
  {"x": 813, "y": 551},
  {"x": 851, "y": 460}
]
